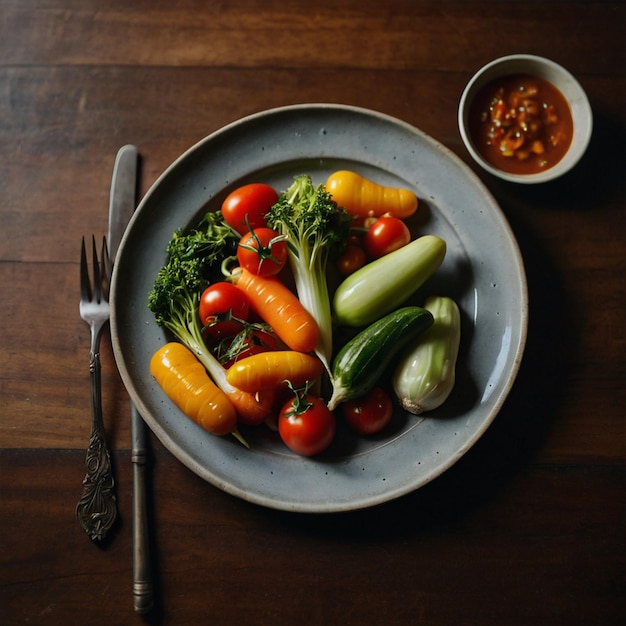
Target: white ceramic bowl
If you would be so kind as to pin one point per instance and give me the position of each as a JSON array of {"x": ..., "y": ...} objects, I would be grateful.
[{"x": 552, "y": 72}]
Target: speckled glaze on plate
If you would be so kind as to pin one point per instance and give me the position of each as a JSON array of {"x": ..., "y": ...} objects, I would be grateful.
[{"x": 483, "y": 272}]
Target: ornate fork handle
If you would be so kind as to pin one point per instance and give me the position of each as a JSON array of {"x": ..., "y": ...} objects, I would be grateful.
[{"x": 97, "y": 508}]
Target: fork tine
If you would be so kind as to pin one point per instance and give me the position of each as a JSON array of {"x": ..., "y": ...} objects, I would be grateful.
[
  {"x": 85, "y": 286},
  {"x": 97, "y": 279}
]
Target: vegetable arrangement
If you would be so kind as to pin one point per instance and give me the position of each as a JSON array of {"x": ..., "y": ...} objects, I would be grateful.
[
  {"x": 312, "y": 224},
  {"x": 247, "y": 299}
]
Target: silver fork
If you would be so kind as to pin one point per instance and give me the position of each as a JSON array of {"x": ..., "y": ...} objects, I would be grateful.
[{"x": 97, "y": 508}]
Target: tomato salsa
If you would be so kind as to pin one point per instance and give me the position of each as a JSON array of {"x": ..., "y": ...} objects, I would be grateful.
[{"x": 521, "y": 124}]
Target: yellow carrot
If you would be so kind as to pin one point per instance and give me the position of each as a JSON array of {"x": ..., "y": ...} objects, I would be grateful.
[
  {"x": 362, "y": 197},
  {"x": 268, "y": 370},
  {"x": 185, "y": 381}
]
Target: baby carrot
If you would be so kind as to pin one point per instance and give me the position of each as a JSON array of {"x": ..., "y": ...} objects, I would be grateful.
[
  {"x": 362, "y": 197},
  {"x": 268, "y": 370},
  {"x": 277, "y": 305},
  {"x": 185, "y": 381}
]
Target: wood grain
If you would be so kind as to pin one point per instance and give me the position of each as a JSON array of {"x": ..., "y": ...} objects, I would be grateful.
[
  {"x": 515, "y": 549},
  {"x": 359, "y": 35}
]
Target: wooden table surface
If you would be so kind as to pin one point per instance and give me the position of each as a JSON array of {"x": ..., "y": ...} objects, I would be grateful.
[{"x": 528, "y": 528}]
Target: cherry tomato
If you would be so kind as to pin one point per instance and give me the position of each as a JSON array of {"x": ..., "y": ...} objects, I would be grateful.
[
  {"x": 252, "y": 201},
  {"x": 352, "y": 258},
  {"x": 262, "y": 252},
  {"x": 306, "y": 425},
  {"x": 219, "y": 304},
  {"x": 370, "y": 413},
  {"x": 249, "y": 341},
  {"x": 385, "y": 235},
  {"x": 265, "y": 339}
]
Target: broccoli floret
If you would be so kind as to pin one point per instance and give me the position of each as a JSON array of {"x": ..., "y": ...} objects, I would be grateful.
[{"x": 193, "y": 258}]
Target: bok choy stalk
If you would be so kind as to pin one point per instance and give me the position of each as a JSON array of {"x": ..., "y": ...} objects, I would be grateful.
[
  {"x": 425, "y": 373},
  {"x": 313, "y": 225}
]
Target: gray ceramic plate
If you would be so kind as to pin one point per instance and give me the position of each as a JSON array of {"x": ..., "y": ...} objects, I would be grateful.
[{"x": 482, "y": 271}]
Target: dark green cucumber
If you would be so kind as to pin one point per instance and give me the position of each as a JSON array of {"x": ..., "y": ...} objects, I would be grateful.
[{"x": 360, "y": 363}]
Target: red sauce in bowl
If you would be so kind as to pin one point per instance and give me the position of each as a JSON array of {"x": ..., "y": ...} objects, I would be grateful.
[{"x": 521, "y": 124}]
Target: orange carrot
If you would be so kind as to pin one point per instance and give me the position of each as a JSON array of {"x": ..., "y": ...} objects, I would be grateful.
[
  {"x": 185, "y": 381},
  {"x": 268, "y": 370},
  {"x": 277, "y": 305},
  {"x": 253, "y": 408}
]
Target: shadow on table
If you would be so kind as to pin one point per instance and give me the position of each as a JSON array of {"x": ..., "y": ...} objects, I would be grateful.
[{"x": 530, "y": 412}]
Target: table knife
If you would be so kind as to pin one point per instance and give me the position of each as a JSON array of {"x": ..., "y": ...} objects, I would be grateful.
[
  {"x": 121, "y": 208},
  {"x": 122, "y": 197}
]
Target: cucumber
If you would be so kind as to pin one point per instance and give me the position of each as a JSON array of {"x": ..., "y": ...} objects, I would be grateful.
[
  {"x": 360, "y": 363},
  {"x": 386, "y": 283}
]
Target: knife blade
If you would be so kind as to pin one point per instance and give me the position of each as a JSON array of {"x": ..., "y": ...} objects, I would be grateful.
[
  {"x": 121, "y": 208},
  {"x": 122, "y": 197}
]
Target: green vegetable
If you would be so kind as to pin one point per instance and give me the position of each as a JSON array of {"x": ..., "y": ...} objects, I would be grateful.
[
  {"x": 360, "y": 363},
  {"x": 386, "y": 283},
  {"x": 424, "y": 376},
  {"x": 313, "y": 225},
  {"x": 192, "y": 259}
]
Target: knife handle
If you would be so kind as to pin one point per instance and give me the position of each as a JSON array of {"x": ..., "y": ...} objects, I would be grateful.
[{"x": 143, "y": 599}]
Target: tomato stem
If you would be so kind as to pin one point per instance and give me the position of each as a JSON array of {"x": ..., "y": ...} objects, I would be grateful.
[
  {"x": 300, "y": 403},
  {"x": 264, "y": 252},
  {"x": 224, "y": 268},
  {"x": 230, "y": 348}
]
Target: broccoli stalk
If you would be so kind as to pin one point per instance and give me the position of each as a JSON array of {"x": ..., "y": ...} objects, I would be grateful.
[
  {"x": 193, "y": 258},
  {"x": 177, "y": 312},
  {"x": 313, "y": 225}
]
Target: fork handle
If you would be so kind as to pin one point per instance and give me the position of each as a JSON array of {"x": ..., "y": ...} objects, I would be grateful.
[{"x": 97, "y": 508}]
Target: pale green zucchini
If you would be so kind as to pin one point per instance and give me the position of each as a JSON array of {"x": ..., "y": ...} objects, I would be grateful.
[{"x": 386, "y": 283}]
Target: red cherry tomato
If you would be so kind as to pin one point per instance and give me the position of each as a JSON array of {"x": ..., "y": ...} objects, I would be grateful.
[
  {"x": 262, "y": 252},
  {"x": 369, "y": 414},
  {"x": 352, "y": 258},
  {"x": 246, "y": 343},
  {"x": 306, "y": 425},
  {"x": 252, "y": 201},
  {"x": 219, "y": 304},
  {"x": 385, "y": 235}
]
